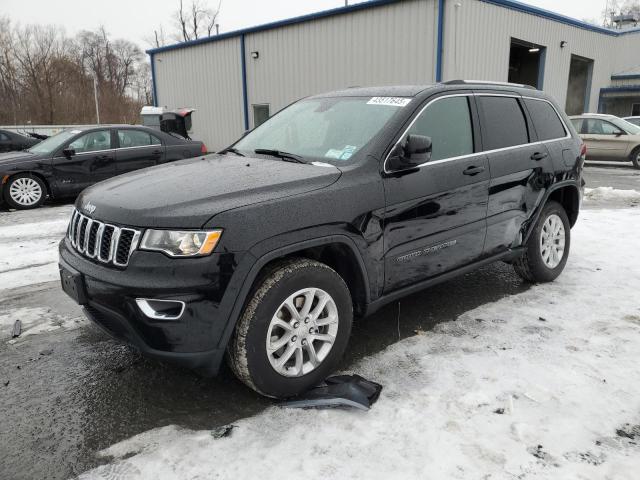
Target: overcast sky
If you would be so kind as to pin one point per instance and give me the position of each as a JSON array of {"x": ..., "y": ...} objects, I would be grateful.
[{"x": 135, "y": 20}]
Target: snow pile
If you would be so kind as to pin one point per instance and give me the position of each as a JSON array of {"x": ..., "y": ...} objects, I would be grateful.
[
  {"x": 28, "y": 251},
  {"x": 34, "y": 321},
  {"x": 541, "y": 384},
  {"x": 612, "y": 195}
]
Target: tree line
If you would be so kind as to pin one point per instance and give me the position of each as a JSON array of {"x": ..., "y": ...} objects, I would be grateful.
[{"x": 47, "y": 77}]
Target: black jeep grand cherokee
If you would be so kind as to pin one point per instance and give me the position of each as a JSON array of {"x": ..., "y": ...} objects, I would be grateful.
[{"x": 337, "y": 205}]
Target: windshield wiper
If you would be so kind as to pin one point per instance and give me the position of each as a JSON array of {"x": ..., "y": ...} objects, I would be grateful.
[
  {"x": 233, "y": 150},
  {"x": 287, "y": 157}
]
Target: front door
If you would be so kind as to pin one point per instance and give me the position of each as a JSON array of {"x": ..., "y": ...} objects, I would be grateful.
[
  {"x": 435, "y": 214},
  {"x": 89, "y": 158},
  {"x": 137, "y": 149},
  {"x": 604, "y": 140}
]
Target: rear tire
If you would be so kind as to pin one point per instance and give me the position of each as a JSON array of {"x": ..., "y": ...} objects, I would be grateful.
[
  {"x": 294, "y": 329},
  {"x": 635, "y": 158},
  {"x": 25, "y": 191},
  {"x": 547, "y": 249}
]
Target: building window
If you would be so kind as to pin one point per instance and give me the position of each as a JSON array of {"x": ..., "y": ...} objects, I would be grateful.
[
  {"x": 635, "y": 110},
  {"x": 526, "y": 63},
  {"x": 260, "y": 114}
]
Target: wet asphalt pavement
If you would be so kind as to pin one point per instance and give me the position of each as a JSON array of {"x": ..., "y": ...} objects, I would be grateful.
[{"x": 74, "y": 392}]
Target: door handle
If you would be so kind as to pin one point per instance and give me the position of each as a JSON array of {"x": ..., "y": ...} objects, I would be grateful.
[
  {"x": 156, "y": 152},
  {"x": 539, "y": 156},
  {"x": 472, "y": 170}
]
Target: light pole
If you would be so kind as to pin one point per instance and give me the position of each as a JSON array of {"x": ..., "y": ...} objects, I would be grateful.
[{"x": 95, "y": 96}]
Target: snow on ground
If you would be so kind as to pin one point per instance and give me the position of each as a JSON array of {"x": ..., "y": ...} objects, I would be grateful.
[
  {"x": 542, "y": 384},
  {"x": 610, "y": 195},
  {"x": 29, "y": 245}
]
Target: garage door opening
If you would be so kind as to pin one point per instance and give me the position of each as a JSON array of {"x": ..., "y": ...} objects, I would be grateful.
[
  {"x": 526, "y": 63},
  {"x": 580, "y": 70}
]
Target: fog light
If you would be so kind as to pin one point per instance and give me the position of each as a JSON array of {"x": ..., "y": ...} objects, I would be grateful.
[{"x": 161, "y": 309}]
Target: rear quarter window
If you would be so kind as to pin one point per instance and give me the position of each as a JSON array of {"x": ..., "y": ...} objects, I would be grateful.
[
  {"x": 546, "y": 122},
  {"x": 503, "y": 122}
]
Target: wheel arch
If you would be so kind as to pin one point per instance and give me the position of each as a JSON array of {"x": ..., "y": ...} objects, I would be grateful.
[
  {"x": 566, "y": 194},
  {"x": 337, "y": 251}
]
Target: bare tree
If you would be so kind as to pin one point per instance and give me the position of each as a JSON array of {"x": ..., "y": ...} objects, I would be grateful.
[
  {"x": 195, "y": 21},
  {"x": 47, "y": 77}
]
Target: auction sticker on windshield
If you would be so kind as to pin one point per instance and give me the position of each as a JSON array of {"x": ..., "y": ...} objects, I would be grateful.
[{"x": 390, "y": 101}]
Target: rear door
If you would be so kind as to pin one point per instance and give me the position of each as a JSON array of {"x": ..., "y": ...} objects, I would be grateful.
[
  {"x": 518, "y": 167},
  {"x": 435, "y": 214},
  {"x": 604, "y": 140},
  {"x": 137, "y": 149},
  {"x": 92, "y": 159}
]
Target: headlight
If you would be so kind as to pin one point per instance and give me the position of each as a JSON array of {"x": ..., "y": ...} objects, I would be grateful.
[{"x": 181, "y": 243}]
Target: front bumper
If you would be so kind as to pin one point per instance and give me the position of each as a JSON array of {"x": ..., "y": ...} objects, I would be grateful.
[{"x": 197, "y": 338}]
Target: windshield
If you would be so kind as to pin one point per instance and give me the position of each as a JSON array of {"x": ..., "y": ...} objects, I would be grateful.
[
  {"x": 52, "y": 144},
  {"x": 628, "y": 127},
  {"x": 325, "y": 129}
]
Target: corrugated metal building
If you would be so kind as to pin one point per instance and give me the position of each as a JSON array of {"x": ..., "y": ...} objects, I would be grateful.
[{"x": 237, "y": 79}]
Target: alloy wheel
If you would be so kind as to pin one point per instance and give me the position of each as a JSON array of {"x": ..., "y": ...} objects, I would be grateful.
[
  {"x": 302, "y": 332},
  {"x": 552, "y": 241}
]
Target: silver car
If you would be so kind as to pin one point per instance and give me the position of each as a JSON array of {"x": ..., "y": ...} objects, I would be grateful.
[{"x": 609, "y": 138}]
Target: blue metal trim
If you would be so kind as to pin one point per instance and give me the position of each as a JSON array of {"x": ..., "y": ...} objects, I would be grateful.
[
  {"x": 281, "y": 23},
  {"x": 439, "y": 41},
  {"x": 245, "y": 100},
  {"x": 511, "y": 4},
  {"x": 600, "y": 102},
  {"x": 625, "y": 76},
  {"x": 542, "y": 59},
  {"x": 541, "y": 12},
  {"x": 625, "y": 88},
  {"x": 154, "y": 90},
  {"x": 587, "y": 97}
]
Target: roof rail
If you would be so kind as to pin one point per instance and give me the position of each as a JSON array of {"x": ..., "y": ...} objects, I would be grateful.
[{"x": 488, "y": 82}]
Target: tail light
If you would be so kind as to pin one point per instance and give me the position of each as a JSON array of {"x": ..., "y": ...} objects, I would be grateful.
[
  {"x": 583, "y": 151},
  {"x": 203, "y": 149}
]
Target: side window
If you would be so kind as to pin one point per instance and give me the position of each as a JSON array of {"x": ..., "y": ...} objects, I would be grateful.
[
  {"x": 595, "y": 126},
  {"x": 610, "y": 128},
  {"x": 3, "y": 137},
  {"x": 92, "y": 142},
  {"x": 448, "y": 123},
  {"x": 545, "y": 120},
  {"x": 136, "y": 138},
  {"x": 503, "y": 122}
]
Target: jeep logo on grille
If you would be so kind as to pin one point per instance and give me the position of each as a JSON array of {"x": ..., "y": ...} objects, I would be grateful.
[{"x": 89, "y": 208}]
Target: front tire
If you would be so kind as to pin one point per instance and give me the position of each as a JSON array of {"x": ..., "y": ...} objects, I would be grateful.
[
  {"x": 25, "y": 191},
  {"x": 547, "y": 249},
  {"x": 294, "y": 329}
]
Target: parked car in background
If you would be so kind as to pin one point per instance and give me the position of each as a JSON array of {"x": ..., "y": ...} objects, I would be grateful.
[
  {"x": 12, "y": 141},
  {"x": 634, "y": 120},
  {"x": 333, "y": 207},
  {"x": 65, "y": 164},
  {"x": 609, "y": 138}
]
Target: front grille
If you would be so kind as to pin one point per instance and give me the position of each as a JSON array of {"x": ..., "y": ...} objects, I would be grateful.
[{"x": 102, "y": 241}]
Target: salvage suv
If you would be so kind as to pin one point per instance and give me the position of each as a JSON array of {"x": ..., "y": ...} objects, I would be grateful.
[{"x": 335, "y": 206}]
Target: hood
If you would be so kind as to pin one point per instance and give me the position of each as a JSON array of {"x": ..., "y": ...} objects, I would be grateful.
[
  {"x": 187, "y": 193},
  {"x": 11, "y": 158}
]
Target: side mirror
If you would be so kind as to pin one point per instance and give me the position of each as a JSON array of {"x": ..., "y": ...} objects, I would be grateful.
[
  {"x": 619, "y": 133},
  {"x": 68, "y": 152},
  {"x": 414, "y": 151}
]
